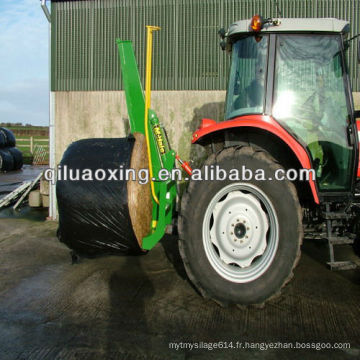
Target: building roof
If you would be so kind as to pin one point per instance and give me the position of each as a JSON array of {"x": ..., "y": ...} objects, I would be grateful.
[
  {"x": 295, "y": 25},
  {"x": 67, "y": 0}
]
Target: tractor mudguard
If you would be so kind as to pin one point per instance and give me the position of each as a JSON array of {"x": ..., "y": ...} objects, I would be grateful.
[
  {"x": 358, "y": 130},
  {"x": 263, "y": 122}
]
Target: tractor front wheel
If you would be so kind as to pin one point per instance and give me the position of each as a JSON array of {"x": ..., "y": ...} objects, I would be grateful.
[{"x": 240, "y": 240}]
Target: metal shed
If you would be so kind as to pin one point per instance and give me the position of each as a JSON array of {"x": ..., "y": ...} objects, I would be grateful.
[{"x": 189, "y": 69}]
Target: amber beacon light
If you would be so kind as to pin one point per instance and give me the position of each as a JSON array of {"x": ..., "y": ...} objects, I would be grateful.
[{"x": 257, "y": 23}]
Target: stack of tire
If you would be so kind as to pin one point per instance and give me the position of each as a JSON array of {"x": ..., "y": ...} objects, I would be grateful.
[{"x": 10, "y": 157}]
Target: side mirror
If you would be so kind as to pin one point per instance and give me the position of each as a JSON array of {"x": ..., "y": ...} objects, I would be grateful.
[{"x": 222, "y": 34}]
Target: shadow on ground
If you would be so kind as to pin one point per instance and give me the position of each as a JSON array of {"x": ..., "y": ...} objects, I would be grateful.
[{"x": 134, "y": 307}]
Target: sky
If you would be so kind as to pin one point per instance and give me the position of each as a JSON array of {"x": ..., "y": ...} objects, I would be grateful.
[{"x": 24, "y": 72}]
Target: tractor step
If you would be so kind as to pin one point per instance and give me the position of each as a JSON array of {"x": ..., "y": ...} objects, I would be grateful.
[
  {"x": 335, "y": 215},
  {"x": 337, "y": 240},
  {"x": 342, "y": 265},
  {"x": 340, "y": 240}
]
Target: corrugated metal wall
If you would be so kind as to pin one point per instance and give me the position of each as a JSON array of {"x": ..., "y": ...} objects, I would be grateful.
[{"x": 187, "y": 55}]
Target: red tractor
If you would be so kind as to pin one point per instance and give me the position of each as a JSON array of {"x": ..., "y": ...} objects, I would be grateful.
[
  {"x": 289, "y": 107},
  {"x": 289, "y": 112}
]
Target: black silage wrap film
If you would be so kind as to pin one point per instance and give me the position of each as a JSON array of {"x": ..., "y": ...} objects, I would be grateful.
[
  {"x": 11, "y": 158},
  {"x": 93, "y": 215},
  {"x": 3, "y": 139},
  {"x": 9, "y": 136},
  {"x": 6, "y": 160},
  {"x": 17, "y": 156}
]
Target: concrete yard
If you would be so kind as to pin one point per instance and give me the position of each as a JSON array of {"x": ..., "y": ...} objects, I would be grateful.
[{"x": 133, "y": 307}]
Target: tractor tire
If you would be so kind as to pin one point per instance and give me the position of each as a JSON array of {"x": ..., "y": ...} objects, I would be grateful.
[
  {"x": 240, "y": 240},
  {"x": 356, "y": 230},
  {"x": 356, "y": 246}
]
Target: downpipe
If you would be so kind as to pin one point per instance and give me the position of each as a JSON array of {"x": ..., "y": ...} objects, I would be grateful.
[
  {"x": 46, "y": 10},
  {"x": 52, "y": 205}
]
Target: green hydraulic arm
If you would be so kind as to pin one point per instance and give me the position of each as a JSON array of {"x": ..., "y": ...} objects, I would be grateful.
[
  {"x": 134, "y": 93},
  {"x": 161, "y": 158}
]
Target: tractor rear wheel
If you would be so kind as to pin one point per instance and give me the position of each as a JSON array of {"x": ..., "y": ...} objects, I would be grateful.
[{"x": 240, "y": 240}]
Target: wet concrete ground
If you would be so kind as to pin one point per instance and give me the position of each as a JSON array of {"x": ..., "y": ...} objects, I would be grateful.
[
  {"x": 133, "y": 307},
  {"x": 11, "y": 180}
]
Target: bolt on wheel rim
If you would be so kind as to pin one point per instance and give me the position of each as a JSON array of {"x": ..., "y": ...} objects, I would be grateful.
[{"x": 240, "y": 232}]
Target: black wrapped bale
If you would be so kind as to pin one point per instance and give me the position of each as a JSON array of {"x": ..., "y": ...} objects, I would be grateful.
[
  {"x": 17, "y": 156},
  {"x": 93, "y": 215},
  {"x": 6, "y": 160},
  {"x": 9, "y": 136},
  {"x": 3, "y": 139}
]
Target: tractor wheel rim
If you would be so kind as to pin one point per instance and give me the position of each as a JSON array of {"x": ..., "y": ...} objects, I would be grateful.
[{"x": 240, "y": 232}]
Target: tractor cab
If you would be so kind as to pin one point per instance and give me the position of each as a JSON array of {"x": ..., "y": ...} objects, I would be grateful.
[{"x": 294, "y": 72}]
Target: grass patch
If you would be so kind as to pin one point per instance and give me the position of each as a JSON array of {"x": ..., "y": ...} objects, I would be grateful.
[{"x": 24, "y": 147}]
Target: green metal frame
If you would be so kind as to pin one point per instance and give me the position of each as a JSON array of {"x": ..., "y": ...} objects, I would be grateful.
[{"x": 162, "y": 213}]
